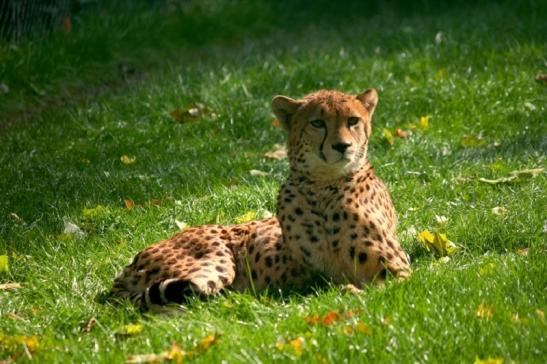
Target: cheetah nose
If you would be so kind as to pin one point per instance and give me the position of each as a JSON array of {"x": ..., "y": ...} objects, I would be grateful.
[{"x": 341, "y": 146}]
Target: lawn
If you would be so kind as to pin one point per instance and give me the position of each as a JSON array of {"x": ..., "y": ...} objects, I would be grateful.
[{"x": 96, "y": 163}]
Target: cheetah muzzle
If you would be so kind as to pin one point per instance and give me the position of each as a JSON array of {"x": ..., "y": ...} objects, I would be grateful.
[{"x": 334, "y": 217}]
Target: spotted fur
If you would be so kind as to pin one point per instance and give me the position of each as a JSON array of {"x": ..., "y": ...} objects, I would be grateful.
[{"x": 335, "y": 217}]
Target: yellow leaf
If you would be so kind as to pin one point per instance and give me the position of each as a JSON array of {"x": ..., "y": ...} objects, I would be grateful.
[
  {"x": 8, "y": 286},
  {"x": 248, "y": 216},
  {"x": 424, "y": 122},
  {"x": 176, "y": 354},
  {"x": 129, "y": 204},
  {"x": 437, "y": 242},
  {"x": 209, "y": 340},
  {"x": 4, "y": 264},
  {"x": 388, "y": 136},
  {"x": 484, "y": 311},
  {"x": 540, "y": 314},
  {"x": 363, "y": 328},
  {"x": 297, "y": 344},
  {"x": 348, "y": 330},
  {"x": 128, "y": 160},
  {"x": 488, "y": 361},
  {"x": 472, "y": 141},
  {"x": 276, "y": 123},
  {"x": 130, "y": 330},
  {"x": 15, "y": 344},
  {"x": 258, "y": 173}
]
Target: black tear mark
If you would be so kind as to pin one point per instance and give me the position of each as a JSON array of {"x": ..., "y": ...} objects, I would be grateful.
[{"x": 321, "y": 154}]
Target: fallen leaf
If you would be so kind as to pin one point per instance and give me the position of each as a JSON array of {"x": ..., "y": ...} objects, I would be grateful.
[
  {"x": 424, "y": 122},
  {"x": 400, "y": 133},
  {"x": 541, "y": 77},
  {"x": 9, "y": 286},
  {"x": 437, "y": 242},
  {"x": 499, "y": 210},
  {"x": 67, "y": 24},
  {"x": 276, "y": 123},
  {"x": 488, "y": 361},
  {"x": 194, "y": 112},
  {"x": 523, "y": 252},
  {"x": 176, "y": 114},
  {"x": 208, "y": 341},
  {"x": 181, "y": 225},
  {"x": 4, "y": 264},
  {"x": 14, "y": 316},
  {"x": 258, "y": 173},
  {"x": 280, "y": 344},
  {"x": 297, "y": 344},
  {"x": 312, "y": 319},
  {"x": 128, "y": 160},
  {"x": 129, "y": 204},
  {"x": 279, "y": 152},
  {"x": 441, "y": 219},
  {"x": 89, "y": 325},
  {"x": 175, "y": 354},
  {"x": 72, "y": 229},
  {"x": 514, "y": 176},
  {"x": 472, "y": 141},
  {"x": 540, "y": 314},
  {"x": 388, "y": 136},
  {"x": 19, "y": 344},
  {"x": 363, "y": 328},
  {"x": 484, "y": 311},
  {"x": 129, "y": 330},
  {"x": 330, "y": 318},
  {"x": 246, "y": 217}
]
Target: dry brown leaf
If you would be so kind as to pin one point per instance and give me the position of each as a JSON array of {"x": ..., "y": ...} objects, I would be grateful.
[
  {"x": 400, "y": 133},
  {"x": 276, "y": 123},
  {"x": 312, "y": 319},
  {"x": 278, "y": 153},
  {"x": 67, "y": 24},
  {"x": 89, "y": 325},
  {"x": 129, "y": 204},
  {"x": 9, "y": 286},
  {"x": 541, "y": 77},
  {"x": 523, "y": 252},
  {"x": 258, "y": 173}
]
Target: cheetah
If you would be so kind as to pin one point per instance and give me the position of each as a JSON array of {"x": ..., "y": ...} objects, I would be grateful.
[{"x": 334, "y": 218}]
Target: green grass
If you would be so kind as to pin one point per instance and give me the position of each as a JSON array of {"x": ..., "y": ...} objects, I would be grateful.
[{"x": 478, "y": 81}]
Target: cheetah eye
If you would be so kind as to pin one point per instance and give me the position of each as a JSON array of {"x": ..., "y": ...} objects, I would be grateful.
[
  {"x": 353, "y": 120},
  {"x": 318, "y": 123}
]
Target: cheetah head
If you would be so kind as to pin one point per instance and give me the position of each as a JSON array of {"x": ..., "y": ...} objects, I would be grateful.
[{"x": 328, "y": 131}]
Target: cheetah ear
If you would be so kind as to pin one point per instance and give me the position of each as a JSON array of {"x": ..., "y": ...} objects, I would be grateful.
[
  {"x": 284, "y": 108},
  {"x": 369, "y": 99}
]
